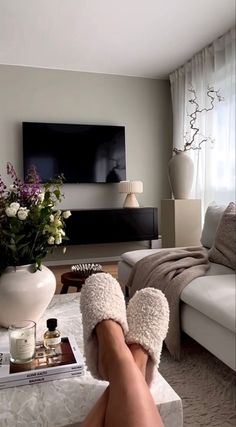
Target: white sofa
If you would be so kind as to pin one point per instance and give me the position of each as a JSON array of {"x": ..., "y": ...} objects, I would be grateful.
[{"x": 208, "y": 302}]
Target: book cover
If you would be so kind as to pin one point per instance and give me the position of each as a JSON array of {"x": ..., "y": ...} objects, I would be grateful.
[
  {"x": 42, "y": 379},
  {"x": 66, "y": 359}
]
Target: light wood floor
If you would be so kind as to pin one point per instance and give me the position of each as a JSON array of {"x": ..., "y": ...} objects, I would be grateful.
[{"x": 60, "y": 269}]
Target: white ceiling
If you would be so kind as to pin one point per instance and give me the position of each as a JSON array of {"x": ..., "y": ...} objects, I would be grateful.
[{"x": 148, "y": 38}]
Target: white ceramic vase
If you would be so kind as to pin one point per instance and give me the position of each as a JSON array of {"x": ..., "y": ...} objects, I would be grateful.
[
  {"x": 181, "y": 170},
  {"x": 25, "y": 295}
]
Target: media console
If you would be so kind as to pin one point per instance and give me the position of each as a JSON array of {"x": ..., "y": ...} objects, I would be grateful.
[{"x": 86, "y": 226}]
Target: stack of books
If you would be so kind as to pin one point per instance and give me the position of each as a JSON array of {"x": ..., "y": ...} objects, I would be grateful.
[{"x": 65, "y": 361}]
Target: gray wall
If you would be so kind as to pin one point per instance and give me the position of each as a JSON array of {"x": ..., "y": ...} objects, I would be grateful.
[{"x": 142, "y": 105}]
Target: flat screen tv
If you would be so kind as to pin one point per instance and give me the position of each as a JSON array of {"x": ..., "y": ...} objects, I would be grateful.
[{"x": 82, "y": 153}]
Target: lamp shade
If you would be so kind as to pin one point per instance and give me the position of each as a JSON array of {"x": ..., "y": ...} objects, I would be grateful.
[{"x": 130, "y": 188}]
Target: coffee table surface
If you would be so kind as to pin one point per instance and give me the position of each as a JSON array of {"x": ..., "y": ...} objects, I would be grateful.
[{"x": 61, "y": 402}]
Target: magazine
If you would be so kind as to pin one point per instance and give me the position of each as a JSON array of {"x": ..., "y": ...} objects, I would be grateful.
[{"x": 65, "y": 361}]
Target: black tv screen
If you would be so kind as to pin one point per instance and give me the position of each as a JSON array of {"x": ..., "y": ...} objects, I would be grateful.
[{"x": 82, "y": 153}]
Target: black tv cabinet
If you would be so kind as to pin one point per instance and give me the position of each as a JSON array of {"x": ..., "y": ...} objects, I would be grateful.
[{"x": 87, "y": 226}]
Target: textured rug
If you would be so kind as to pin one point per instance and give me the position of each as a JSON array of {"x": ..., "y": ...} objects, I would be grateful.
[{"x": 204, "y": 383}]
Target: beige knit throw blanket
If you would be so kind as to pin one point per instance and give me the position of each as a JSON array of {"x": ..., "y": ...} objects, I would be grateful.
[{"x": 170, "y": 270}]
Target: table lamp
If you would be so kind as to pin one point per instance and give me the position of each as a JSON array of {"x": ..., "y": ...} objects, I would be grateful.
[{"x": 130, "y": 187}]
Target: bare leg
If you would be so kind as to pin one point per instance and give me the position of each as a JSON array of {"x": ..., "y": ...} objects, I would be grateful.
[
  {"x": 130, "y": 402},
  {"x": 140, "y": 357},
  {"x": 96, "y": 416}
]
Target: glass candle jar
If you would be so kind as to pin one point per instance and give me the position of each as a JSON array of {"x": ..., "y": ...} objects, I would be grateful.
[{"x": 22, "y": 339}]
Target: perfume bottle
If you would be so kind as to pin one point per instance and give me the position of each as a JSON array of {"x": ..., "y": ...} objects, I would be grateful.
[{"x": 52, "y": 337}]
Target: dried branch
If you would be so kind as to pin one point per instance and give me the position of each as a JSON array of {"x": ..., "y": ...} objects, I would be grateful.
[{"x": 190, "y": 141}]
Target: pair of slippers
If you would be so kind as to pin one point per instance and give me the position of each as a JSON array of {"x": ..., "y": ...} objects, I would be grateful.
[{"x": 144, "y": 322}]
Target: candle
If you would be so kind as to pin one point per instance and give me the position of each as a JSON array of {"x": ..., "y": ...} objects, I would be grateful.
[{"x": 22, "y": 338}]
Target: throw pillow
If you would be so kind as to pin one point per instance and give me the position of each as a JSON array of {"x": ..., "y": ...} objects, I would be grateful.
[
  {"x": 212, "y": 219},
  {"x": 223, "y": 250}
]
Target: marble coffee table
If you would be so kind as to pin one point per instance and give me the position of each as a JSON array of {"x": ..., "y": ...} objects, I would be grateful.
[{"x": 67, "y": 401}]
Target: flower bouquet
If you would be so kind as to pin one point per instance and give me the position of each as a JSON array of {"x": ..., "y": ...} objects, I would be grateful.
[{"x": 30, "y": 224}]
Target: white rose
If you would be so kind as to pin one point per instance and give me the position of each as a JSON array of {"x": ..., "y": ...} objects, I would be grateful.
[
  {"x": 51, "y": 218},
  {"x": 66, "y": 214},
  {"x": 41, "y": 197},
  {"x": 15, "y": 205},
  {"x": 51, "y": 240},
  {"x": 57, "y": 222},
  {"x": 22, "y": 214},
  {"x": 58, "y": 239},
  {"x": 10, "y": 212}
]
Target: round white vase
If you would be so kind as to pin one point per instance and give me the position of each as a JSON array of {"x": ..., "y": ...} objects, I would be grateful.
[
  {"x": 25, "y": 295},
  {"x": 181, "y": 170}
]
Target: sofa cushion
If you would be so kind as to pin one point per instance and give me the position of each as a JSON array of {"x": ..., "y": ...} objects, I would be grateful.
[
  {"x": 213, "y": 296},
  {"x": 223, "y": 250},
  {"x": 212, "y": 219},
  {"x": 216, "y": 269},
  {"x": 130, "y": 258}
]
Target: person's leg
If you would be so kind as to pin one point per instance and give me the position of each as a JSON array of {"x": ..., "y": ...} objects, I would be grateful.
[
  {"x": 96, "y": 416},
  {"x": 130, "y": 402},
  {"x": 140, "y": 357},
  {"x": 108, "y": 356}
]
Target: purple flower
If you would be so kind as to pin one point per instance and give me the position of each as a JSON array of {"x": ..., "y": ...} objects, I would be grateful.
[
  {"x": 11, "y": 171},
  {"x": 29, "y": 191},
  {"x": 32, "y": 176}
]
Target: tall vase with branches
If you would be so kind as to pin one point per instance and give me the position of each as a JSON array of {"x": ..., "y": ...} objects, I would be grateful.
[{"x": 181, "y": 165}]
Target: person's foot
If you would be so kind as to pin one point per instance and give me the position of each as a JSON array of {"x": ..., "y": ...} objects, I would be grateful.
[
  {"x": 140, "y": 356},
  {"x": 111, "y": 346},
  {"x": 101, "y": 300},
  {"x": 148, "y": 319}
]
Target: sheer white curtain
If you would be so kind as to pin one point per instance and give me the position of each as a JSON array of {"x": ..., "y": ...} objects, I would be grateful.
[{"x": 214, "y": 164}]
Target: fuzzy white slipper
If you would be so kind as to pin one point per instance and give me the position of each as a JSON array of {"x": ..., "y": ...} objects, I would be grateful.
[
  {"x": 148, "y": 320},
  {"x": 101, "y": 299}
]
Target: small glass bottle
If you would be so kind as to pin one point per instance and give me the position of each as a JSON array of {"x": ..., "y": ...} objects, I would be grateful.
[{"x": 52, "y": 337}]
